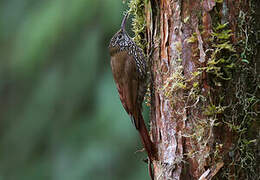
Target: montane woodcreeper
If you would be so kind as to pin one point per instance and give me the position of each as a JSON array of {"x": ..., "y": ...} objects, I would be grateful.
[{"x": 129, "y": 69}]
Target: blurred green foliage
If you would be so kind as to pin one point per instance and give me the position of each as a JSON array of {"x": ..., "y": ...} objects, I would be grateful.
[{"x": 60, "y": 114}]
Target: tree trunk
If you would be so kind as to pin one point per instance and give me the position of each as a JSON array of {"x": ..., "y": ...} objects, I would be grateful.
[{"x": 204, "y": 99}]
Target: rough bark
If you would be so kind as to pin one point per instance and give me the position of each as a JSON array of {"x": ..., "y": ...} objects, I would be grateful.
[{"x": 202, "y": 103}]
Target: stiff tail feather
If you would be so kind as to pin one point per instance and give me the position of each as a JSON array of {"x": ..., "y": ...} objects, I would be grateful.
[{"x": 146, "y": 140}]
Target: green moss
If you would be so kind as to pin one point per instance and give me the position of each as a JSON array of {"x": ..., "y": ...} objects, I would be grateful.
[
  {"x": 193, "y": 38},
  {"x": 137, "y": 9},
  {"x": 212, "y": 110},
  {"x": 232, "y": 66},
  {"x": 219, "y": 1},
  {"x": 175, "y": 82},
  {"x": 221, "y": 64}
]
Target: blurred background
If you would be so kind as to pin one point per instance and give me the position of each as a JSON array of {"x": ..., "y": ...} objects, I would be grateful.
[{"x": 60, "y": 115}]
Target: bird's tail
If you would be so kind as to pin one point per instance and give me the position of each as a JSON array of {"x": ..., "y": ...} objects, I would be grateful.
[{"x": 146, "y": 140}]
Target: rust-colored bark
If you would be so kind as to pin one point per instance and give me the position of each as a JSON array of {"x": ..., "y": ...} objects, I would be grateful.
[{"x": 186, "y": 137}]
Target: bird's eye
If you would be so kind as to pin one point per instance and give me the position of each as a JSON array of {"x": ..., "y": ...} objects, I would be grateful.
[{"x": 120, "y": 36}]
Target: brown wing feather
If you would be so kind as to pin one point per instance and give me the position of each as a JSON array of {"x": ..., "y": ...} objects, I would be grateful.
[
  {"x": 126, "y": 79},
  {"x": 122, "y": 97},
  {"x": 131, "y": 88}
]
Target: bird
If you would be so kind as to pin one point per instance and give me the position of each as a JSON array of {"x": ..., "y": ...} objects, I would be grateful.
[{"x": 129, "y": 68}]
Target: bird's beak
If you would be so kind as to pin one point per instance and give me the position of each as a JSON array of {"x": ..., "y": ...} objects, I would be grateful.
[{"x": 124, "y": 21}]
